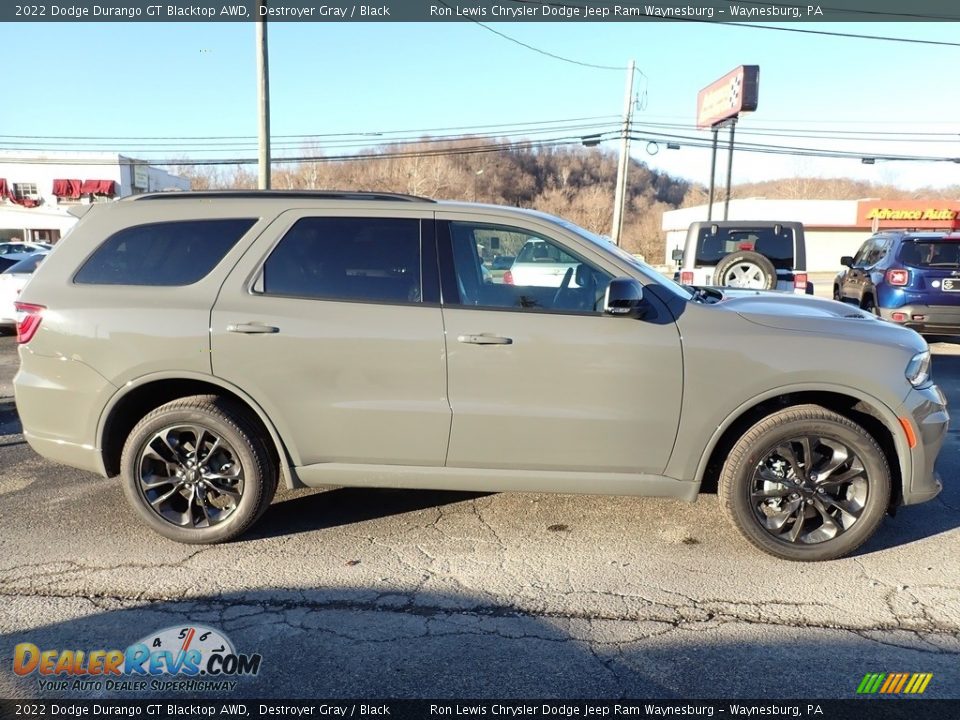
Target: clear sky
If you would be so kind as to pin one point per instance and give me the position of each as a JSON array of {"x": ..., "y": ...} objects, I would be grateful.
[{"x": 112, "y": 80}]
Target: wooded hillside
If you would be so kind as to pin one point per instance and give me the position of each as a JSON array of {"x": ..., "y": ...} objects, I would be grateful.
[{"x": 575, "y": 182}]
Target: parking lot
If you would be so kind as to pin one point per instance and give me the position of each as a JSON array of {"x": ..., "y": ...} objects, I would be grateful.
[{"x": 378, "y": 593}]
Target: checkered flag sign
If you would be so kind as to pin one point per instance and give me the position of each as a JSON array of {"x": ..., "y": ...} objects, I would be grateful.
[{"x": 735, "y": 91}]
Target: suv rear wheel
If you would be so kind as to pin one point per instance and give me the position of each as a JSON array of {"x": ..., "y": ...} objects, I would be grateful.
[
  {"x": 806, "y": 484},
  {"x": 197, "y": 471},
  {"x": 746, "y": 269}
]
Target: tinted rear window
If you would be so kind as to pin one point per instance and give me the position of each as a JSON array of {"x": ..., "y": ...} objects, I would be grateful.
[
  {"x": 162, "y": 254},
  {"x": 711, "y": 248},
  {"x": 365, "y": 259},
  {"x": 930, "y": 253}
]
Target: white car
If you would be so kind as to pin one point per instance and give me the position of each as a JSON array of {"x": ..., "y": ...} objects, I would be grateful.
[
  {"x": 540, "y": 264},
  {"x": 12, "y": 281},
  {"x": 19, "y": 246}
]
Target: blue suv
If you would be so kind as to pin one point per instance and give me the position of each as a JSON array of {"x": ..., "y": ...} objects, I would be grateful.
[{"x": 910, "y": 278}]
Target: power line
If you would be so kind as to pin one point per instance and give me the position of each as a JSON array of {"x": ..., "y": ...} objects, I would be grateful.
[
  {"x": 229, "y": 146},
  {"x": 530, "y": 123},
  {"x": 618, "y": 68}
]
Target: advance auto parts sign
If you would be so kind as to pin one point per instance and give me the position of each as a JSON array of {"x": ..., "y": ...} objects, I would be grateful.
[
  {"x": 735, "y": 92},
  {"x": 920, "y": 214}
]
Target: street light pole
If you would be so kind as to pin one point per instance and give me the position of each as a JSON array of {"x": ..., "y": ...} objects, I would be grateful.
[
  {"x": 621, "y": 191},
  {"x": 263, "y": 100}
]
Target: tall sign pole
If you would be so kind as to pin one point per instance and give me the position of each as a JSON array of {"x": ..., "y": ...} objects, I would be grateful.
[
  {"x": 732, "y": 122},
  {"x": 621, "y": 191},
  {"x": 263, "y": 100}
]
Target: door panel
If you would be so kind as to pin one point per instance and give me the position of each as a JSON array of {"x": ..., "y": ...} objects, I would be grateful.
[
  {"x": 353, "y": 382},
  {"x": 568, "y": 392}
]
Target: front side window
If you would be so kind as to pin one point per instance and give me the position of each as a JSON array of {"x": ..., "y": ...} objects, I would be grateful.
[
  {"x": 356, "y": 259},
  {"x": 543, "y": 276},
  {"x": 162, "y": 254}
]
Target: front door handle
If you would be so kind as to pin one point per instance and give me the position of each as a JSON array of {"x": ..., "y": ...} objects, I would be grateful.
[
  {"x": 485, "y": 340},
  {"x": 252, "y": 328}
]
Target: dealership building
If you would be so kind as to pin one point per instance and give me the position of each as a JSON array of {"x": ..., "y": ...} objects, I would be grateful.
[
  {"x": 833, "y": 228},
  {"x": 37, "y": 190}
]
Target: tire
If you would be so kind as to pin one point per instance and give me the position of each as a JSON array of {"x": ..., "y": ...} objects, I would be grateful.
[
  {"x": 836, "y": 293},
  {"x": 870, "y": 306},
  {"x": 214, "y": 499},
  {"x": 782, "y": 509},
  {"x": 746, "y": 269}
]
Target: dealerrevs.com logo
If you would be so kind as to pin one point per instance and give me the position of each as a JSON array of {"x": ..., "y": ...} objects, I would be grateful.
[{"x": 188, "y": 658}]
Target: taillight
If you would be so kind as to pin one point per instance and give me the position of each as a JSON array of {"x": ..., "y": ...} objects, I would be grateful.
[
  {"x": 800, "y": 281},
  {"x": 28, "y": 320},
  {"x": 686, "y": 277},
  {"x": 897, "y": 276},
  {"x": 508, "y": 278}
]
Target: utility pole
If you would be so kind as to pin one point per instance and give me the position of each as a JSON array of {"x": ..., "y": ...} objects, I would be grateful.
[
  {"x": 621, "y": 191},
  {"x": 263, "y": 100}
]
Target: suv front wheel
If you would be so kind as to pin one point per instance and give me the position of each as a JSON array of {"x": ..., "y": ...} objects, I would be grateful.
[
  {"x": 197, "y": 471},
  {"x": 806, "y": 484}
]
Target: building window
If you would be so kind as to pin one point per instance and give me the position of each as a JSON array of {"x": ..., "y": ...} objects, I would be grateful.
[{"x": 22, "y": 191}]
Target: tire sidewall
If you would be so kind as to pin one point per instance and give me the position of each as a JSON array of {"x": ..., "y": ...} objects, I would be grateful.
[
  {"x": 878, "y": 490},
  {"x": 247, "y": 509}
]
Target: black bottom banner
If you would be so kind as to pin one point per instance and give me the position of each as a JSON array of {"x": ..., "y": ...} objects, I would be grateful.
[{"x": 873, "y": 709}]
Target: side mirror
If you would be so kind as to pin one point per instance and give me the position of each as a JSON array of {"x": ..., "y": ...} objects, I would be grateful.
[
  {"x": 624, "y": 298},
  {"x": 677, "y": 254},
  {"x": 846, "y": 261}
]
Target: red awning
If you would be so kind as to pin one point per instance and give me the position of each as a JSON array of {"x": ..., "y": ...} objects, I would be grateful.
[
  {"x": 98, "y": 187},
  {"x": 67, "y": 188}
]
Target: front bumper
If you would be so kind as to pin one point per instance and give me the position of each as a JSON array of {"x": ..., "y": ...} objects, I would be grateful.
[
  {"x": 926, "y": 410},
  {"x": 929, "y": 319}
]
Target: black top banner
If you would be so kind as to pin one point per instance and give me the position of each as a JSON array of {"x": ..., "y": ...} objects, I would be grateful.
[
  {"x": 861, "y": 709},
  {"x": 713, "y": 11}
]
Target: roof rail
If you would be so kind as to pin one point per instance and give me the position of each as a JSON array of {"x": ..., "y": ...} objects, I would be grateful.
[{"x": 280, "y": 194}]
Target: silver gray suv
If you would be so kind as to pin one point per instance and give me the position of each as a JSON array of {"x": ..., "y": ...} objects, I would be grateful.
[{"x": 205, "y": 346}]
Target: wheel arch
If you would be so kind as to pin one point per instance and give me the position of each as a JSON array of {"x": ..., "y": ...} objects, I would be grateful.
[
  {"x": 874, "y": 416},
  {"x": 138, "y": 397}
]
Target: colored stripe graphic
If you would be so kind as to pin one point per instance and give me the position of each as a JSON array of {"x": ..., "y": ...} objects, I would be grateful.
[{"x": 894, "y": 683}]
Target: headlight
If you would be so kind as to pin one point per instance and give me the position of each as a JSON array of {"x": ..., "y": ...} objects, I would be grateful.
[{"x": 918, "y": 369}]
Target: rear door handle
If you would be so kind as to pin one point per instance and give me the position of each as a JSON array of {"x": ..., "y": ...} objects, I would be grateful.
[
  {"x": 485, "y": 340},
  {"x": 252, "y": 328}
]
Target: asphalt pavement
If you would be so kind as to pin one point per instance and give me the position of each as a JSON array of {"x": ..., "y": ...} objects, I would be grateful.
[{"x": 394, "y": 594}]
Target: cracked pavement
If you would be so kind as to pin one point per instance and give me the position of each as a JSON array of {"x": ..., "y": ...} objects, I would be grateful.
[{"x": 391, "y": 594}]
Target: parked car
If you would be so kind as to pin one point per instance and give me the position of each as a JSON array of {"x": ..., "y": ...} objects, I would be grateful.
[
  {"x": 542, "y": 264},
  {"x": 500, "y": 265},
  {"x": 12, "y": 281},
  {"x": 910, "y": 278},
  {"x": 749, "y": 254},
  {"x": 204, "y": 346},
  {"x": 11, "y": 259},
  {"x": 19, "y": 246}
]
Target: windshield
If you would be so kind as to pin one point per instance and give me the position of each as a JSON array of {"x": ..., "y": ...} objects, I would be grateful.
[{"x": 604, "y": 245}]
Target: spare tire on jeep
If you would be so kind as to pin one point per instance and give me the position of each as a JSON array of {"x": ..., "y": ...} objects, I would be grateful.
[{"x": 746, "y": 269}]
